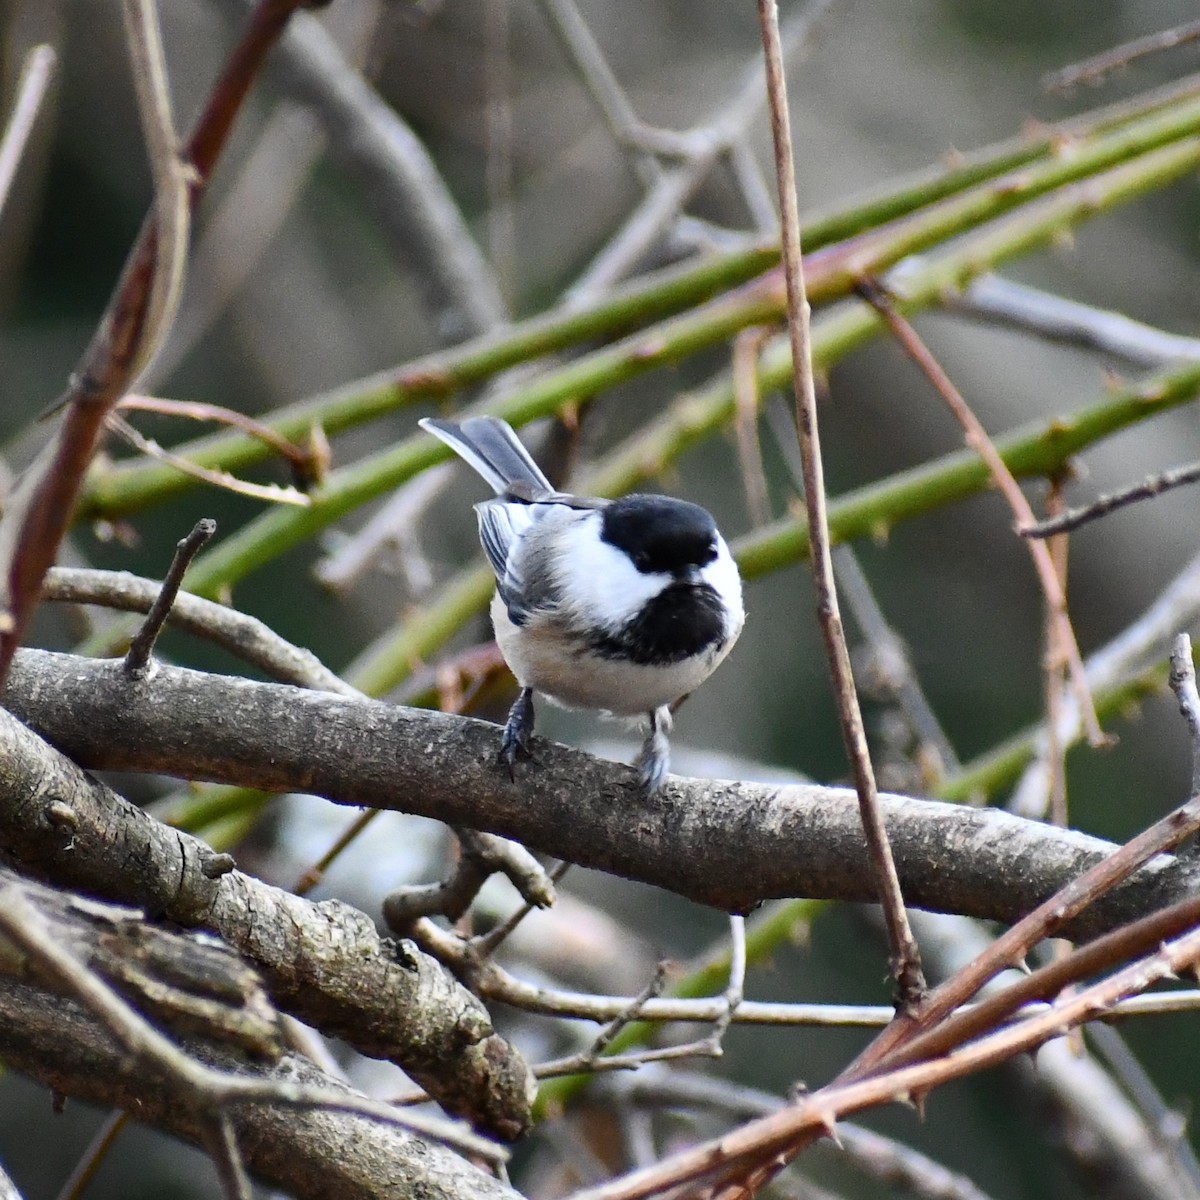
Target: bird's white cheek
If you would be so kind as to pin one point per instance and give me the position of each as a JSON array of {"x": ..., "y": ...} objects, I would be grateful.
[{"x": 598, "y": 584}]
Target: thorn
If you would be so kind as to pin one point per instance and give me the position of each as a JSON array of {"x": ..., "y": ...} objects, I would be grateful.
[{"x": 827, "y": 1120}]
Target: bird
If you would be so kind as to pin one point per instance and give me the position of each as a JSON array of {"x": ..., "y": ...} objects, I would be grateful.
[{"x": 621, "y": 606}]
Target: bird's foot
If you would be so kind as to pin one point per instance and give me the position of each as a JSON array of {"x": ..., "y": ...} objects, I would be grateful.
[
  {"x": 654, "y": 761},
  {"x": 517, "y": 732}
]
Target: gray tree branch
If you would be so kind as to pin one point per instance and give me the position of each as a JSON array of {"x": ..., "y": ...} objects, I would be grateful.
[
  {"x": 54, "y": 1041},
  {"x": 398, "y": 178},
  {"x": 186, "y": 983},
  {"x": 726, "y": 844},
  {"x": 323, "y": 962}
]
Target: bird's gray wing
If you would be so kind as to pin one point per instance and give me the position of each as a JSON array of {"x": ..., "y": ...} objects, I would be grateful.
[
  {"x": 502, "y": 524},
  {"x": 516, "y": 538}
]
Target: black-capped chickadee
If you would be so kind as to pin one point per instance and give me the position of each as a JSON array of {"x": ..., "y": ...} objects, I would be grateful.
[{"x": 625, "y": 606}]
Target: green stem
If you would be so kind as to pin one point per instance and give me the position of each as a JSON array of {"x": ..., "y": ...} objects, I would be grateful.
[
  {"x": 691, "y": 418},
  {"x": 872, "y": 510},
  {"x": 280, "y": 529},
  {"x": 124, "y": 488}
]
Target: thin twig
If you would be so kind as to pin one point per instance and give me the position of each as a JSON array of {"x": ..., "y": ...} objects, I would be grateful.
[
  {"x": 392, "y": 527},
  {"x": 40, "y": 507},
  {"x": 1151, "y": 486},
  {"x": 1135, "y": 651},
  {"x": 709, "y": 1046},
  {"x": 587, "y": 1063},
  {"x": 409, "y": 198},
  {"x": 746, "y": 1156},
  {"x": 594, "y": 1058},
  {"x": 735, "y": 989},
  {"x": 1076, "y": 1097},
  {"x": 1012, "y": 946},
  {"x": 137, "y": 657},
  {"x": 977, "y": 438},
  {"x": 218, "y": 479},
  {"x": 1091, "y": 70},
  {"x": 493, "y": 982},
  {"x": 487, "y": 943},
  {"x": 1049, "y": 982},
  {"x": 243, "y": 636},
  {"x": 36, "y": 72},
  {"x": 1054, "y": 318},
  {"x": 905, "y": 958},
  {"x": 222, "y": 1148},
  {"x": 890, "y": 655},
  {"x": 892, "y": 664},
  {"x": 746, "y": 347},
  {"x": 1183, "y": 684},
  {"x": 94, "y": 1155},
  {"x": 1056, "y": 666},
  {"x": 172, "y": 180},
  {"x": 1168, "y": 1125},
  {"x": 882, "y": 1158},
  {"x": 498, "y": 142},
  {"x": 701, "y": 149},
  {"x": 312, "y": 875},
  {"x": 299, "y": 458},
  {"x": 601, "y": 84}
]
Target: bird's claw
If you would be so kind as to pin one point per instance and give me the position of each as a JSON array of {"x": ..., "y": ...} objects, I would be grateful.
[
  {"x": 518, "y": 730},
  {"x": 654, "y": 760}
]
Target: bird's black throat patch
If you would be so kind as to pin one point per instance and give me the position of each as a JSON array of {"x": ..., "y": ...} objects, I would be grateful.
[{"x": 682, "y": 621}]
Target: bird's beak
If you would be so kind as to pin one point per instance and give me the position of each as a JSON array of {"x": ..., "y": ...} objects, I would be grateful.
[{"x": 690, "y": 575}]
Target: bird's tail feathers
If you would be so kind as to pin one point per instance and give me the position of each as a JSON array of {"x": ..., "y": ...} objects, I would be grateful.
[{"x": 492, "y": 448}]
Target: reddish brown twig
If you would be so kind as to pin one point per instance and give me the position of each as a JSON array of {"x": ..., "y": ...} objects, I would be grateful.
[
  {"x": 223, "y": 480},
  {"x": 40, "y": 508},
  {"x": 894, "y": 1045},
  {"x": 905, "y": 958},
  {"x": 977, "y": 438},
  {"x": 308, "y": 463},
  {"x": 746, "y": 348},
  {"x": 1057, "y": 664},
  {"x": 723, "y": 1162}
]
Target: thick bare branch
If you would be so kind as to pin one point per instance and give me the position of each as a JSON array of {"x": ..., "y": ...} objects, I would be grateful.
[
  {"x": 323, "y": 962},
  {"x": 695, "y": 838},
  {"x": 56, "y": 1042}
]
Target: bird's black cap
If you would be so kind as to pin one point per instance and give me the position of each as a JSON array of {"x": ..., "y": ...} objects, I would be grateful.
[{"x": 660, "y": 533}]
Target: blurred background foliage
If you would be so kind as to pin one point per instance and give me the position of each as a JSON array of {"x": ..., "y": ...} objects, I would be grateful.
[{"x": 325, "y": 292}]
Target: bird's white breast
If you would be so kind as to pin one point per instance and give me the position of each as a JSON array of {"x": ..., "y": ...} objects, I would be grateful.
[{"x": 559, "y": 666}]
